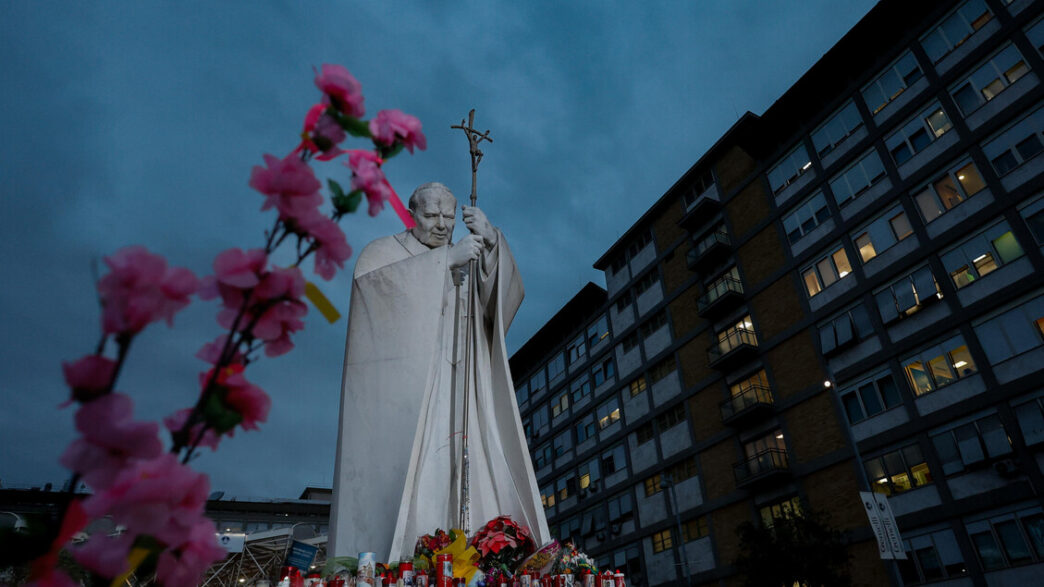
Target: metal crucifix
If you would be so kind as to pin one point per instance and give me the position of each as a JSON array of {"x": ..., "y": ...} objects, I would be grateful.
[{"x": 474, "y": 138}]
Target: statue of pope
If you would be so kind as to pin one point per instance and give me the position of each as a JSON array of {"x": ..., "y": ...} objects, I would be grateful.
[{"x": 397, "y": 472}]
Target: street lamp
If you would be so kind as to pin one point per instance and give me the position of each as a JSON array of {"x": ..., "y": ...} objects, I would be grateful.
[{"x": 667, "y": 482}]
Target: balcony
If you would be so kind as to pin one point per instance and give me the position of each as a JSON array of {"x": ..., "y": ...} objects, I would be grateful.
[
  {"x": 766, "y": 465},
  {"x": 709, "y": 251},
  {"x": 735, "y": 347},
  {"x": 721, "y": 296},
  {"x": 702, "y": 210},
  {"x": 750, "y": 404}
]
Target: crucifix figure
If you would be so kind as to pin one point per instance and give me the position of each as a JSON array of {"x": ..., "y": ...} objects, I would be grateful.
[{"x": 399, "y": 472}]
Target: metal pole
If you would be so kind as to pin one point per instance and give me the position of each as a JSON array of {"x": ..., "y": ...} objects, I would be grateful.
[{"x": 680, "y": 545}]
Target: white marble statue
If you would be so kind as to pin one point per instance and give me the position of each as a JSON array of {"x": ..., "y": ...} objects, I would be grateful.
[{"x": 398, "y": 446}]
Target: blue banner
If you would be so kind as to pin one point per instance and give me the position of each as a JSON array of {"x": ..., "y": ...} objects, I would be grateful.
[{"x": 301, "y": 555}]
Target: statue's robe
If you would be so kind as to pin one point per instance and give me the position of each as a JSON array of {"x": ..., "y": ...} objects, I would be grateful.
[{"x": 398, "y": 445}]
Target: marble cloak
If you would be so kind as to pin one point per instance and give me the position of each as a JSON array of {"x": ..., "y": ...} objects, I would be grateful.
[{"x": 397, "y": 454}]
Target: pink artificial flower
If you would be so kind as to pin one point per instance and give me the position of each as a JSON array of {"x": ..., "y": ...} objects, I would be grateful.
[
  {"x": 89, "y": 377},
  {"x": 340, "y": 89},
  {"x": 368, "y": 177},
  {"x": 105, "y": 555},
  {"x": 240, "y": 269},
  {"x": 111, "y": 439},
  {"x": 247, "y": 399},
  {"x": 185, "y": 563},
  {"x": 281, "y": 283},
  {"x": 140, "y": 289},
  {"x": 289, "y": 184},
  {"x": 277, "y": 323},
  {"x": 395, "y": 125},
  {"x": 333, "y": 248},
  {"x": 321, "y": 134},
  {"x": 176, "y": 421},
  {"x": 159, "y": 497},
  {"x": 211, "y": 351}
]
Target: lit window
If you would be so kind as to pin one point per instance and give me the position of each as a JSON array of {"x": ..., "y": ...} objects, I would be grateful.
[
  {"x": 892, "y": 82},
  {"x": 547, "y": 496},
  {"x": 565, "y": 487},
  {"x": 826, "y": 272},
  {"x": 989, "y": 79},
  {"x": 662, "y": 541},
  {"x": 694, "y": 529},
  {"x": 560, "y": 405},
  {"x": 787, "y": 509},
  {"x": 955, "y": 29},
  {"x": 597, "y": 332},
  {"x": 898, "y": 471},
  {"x": 914, "y": 136},
  {"x": 981, "y": 254},
  {"x": 940, "y": 196},
  {"x": 588, "y": 474},
  {"x": 652, "y": 485},
  {"x": 608, "y": 413},
  {"x": 793, "y": 165},
  {"x": 939, "y": 366},
  {"x": 637, "y": 386},
  {"x": 882, "y": 232}
]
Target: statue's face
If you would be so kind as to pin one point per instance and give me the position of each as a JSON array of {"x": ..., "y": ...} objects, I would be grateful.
[{"x": 435, "y": 214}]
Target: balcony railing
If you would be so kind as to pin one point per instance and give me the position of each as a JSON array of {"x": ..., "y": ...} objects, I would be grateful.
[
  {"x": 718, "y": 293},
  {"x": 764, "y": 465},
  {"x": 708, "y": 250},
  {"x": 735, "y": 346},
  {"x": 754, "y": 399},
  {"x": 701, "y": 210}
]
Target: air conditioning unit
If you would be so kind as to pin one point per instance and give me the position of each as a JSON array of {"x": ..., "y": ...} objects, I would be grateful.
[{"x": 1006, "y": 468}]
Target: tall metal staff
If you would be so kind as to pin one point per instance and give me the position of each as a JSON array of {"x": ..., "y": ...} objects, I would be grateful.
[{"x": 474, "y": 138}]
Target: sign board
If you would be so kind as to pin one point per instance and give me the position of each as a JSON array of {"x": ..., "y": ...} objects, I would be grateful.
[
  {"x": 232, "y": 542},
  {"x": 301, "y": 555},
  {"x": 882, "y": 522}
]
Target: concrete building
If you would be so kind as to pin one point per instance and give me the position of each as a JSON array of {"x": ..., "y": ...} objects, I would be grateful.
[{"x": 845, "y": 293}]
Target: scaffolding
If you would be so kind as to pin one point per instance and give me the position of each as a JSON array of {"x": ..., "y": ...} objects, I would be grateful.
[{"x": 264, "y": 553}]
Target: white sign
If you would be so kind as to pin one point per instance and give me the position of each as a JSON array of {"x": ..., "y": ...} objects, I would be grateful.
[
  {"x": 882, "y": 522},
  {"x": 232, "y": 542}
]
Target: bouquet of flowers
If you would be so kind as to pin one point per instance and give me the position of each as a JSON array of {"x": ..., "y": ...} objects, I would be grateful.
[
  {"x": 429, "y": 543},
  {"x": 502, "y": 544},
  {"x": 573, "y": 561}
]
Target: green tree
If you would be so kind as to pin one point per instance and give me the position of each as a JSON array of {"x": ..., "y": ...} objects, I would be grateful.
[{"x": 800, "y": 549}]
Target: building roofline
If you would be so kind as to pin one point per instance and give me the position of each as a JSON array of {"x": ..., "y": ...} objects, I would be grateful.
[{"x": 586, "y": 302}]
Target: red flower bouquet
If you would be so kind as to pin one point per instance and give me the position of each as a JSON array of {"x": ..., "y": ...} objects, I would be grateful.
[
  {"x": 502, "y": 544},
  {"x": 429, "y": 543}
]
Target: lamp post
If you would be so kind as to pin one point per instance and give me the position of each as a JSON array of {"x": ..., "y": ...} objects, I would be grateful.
[{"x": 667, "y": 482}]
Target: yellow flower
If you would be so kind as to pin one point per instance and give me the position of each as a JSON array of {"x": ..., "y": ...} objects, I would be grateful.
[{"x": 465, "y": 558}]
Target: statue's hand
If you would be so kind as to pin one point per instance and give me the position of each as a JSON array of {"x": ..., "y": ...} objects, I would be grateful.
[
  {"x": 464, "y": 250},
  {"x": 477, "y": 223}
]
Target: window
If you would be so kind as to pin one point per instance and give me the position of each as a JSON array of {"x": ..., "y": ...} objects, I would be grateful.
[
  {"x": 938, "y": 366},
  {"x": 930, "y": 557},
  {"x": 597, "y": 332},
  {"x": 740, "y": 333},
  {"x": 789, "y": 169},
  {"x": 593, "y": 521},
  {"x": 773, "y": 441},
  {"x": 644, "y": 433},
  {"x": 630, "y": 342},
  {"x": 694, "y": 529},
  {"x": 907, "y": 295},
  {"x": 629, "y": 559},
  {"x": 639, "y": 243},
  {"x": 621, "y": 507},
  {"x": 662, "y": 369},
  {"x": 563, "y": 442},
  {"x": 898, "y": 471},
  {"x": 959, "y": 184},
  {"x": 682, "y": 471},
  {"x": 647, "y": 281},
  {"x": 522, "y": 393},
  {"x": 608, "y": 413},
  {"x": 757, "y": 382},
  {"x": 870, "y": 398},
  {"x": 1031, "y": 420},
  {"x": 569, "y": 530},
  {"x": 1033, "y": 214},
  {"x": 565, "y": 487},
  {"x": 1013, "y": 332},
  {"x": 699, "y": 187},
  {"x": 839, "y": 127},
  {"x": 588, "y": 473},
  {"x": 1018, "y": 144},
  {"x": 653, "y": 485},
  {"x": 1008, "y": 540},
  {"x": 542, "y": 456},
  {"x": 619, "y": 263},
  {"x": 556, "y": 366},
  {"x": 662, "y": 541},
  {"x": 989, "y": 79},
  {"x": 653, "y": 324},
  {"x": 560, "y": 405},
  {"x": 955, "y": 29},
  {"x": 537, "y": 383},
  {"x": 781, "y": 510},
  {"x": 851, "y": 326},
  {"x": 614, "y": 459},
  {"x": 857, "y": 178},
  {"x": 982, "y": 254},
  {"x": 637, "y": 386},
  {"x": 806, "y": 217},
  {"x": 585, "y": 428},
  {"x": 918, "y": 133},
  {"x": 575, "y": 351},
  {"x": 605, "y": 371},
  {"x": 882, "y": 232},
  {"x": 539, "y": 416},
  {"x": 826, "y": 271},
  {"x": 892, "y": 82},
  {"x": 1035, "y": 34},
  {"x": 547, "y": 496},
  {"x": 623, "y": 301},
  {"x": 580, "y": 387},
  {"x": 671, "y": 417},
  {"x": 972, "y": 443}
]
